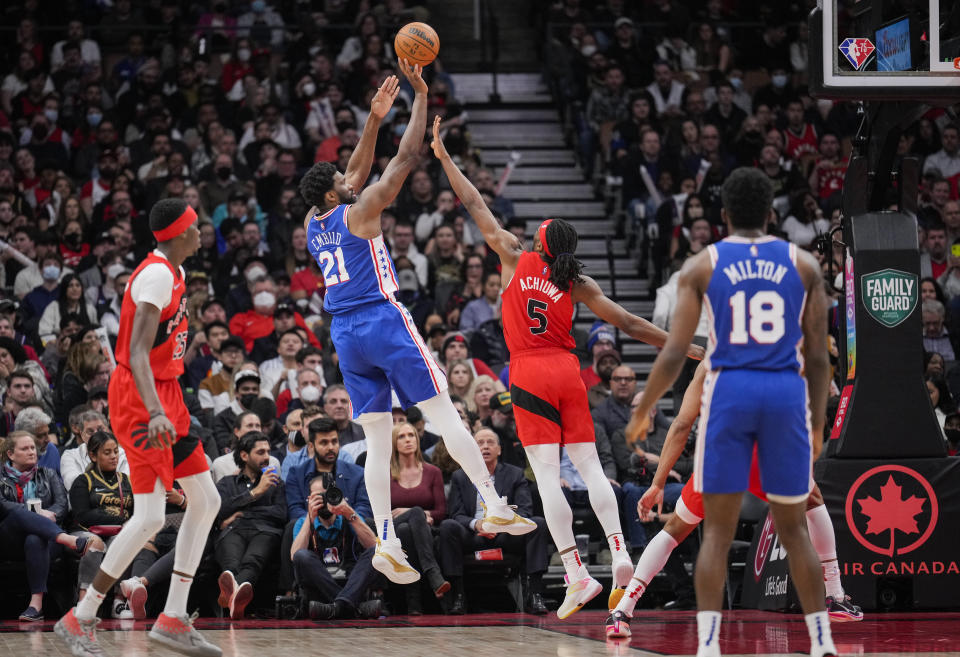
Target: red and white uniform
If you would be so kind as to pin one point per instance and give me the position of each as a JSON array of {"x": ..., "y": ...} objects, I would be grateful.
[
  {"x": 548, "y": 395},
  {"x": 155, "y": 282},
  {"x": 690, "y": 505},
  {"x": 796, "y": 146}
]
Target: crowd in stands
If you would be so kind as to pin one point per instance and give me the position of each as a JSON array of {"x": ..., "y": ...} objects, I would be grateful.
[
  {"x": 662, "y": 99},
  {"x": 226, "y": 103}
]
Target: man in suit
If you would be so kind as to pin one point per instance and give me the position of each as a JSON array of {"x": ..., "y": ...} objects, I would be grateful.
[
  {"x": 463, "y": 531},
  {"x": 322, "y": 434}
]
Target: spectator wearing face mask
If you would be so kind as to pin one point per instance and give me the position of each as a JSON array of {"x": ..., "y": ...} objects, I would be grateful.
[
  {"x": 246, "y": 384},
  {"x": 45, "y": 292},
  {"x": 259, "y": 321},
  {"x": 305, "y": 385}
]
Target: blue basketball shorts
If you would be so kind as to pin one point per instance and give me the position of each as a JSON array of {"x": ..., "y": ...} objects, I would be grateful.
[
  {"x": 379, "y": 347},
  {"x": 769, "y": 409}
]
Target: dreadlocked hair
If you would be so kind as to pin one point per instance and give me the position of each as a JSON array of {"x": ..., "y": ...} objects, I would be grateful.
[
  {"x": 565, "y": 269},
  {"x": 317, "y": 182}
]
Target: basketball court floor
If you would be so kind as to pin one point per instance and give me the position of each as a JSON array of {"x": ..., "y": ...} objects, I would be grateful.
[{"x": 519, "y": 635}]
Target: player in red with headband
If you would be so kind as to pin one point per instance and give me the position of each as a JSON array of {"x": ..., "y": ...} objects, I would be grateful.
[
  {"x": 151, "y": 422},
  {"x": 550, "y": 405}
]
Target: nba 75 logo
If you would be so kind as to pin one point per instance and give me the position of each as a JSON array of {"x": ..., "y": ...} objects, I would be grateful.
[
  {"x": 857, "y": 51},
  {"x": 891, "y": 509}
]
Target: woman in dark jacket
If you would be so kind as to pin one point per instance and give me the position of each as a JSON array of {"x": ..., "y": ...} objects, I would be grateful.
[
  {"x": 101, "y": 498},
  {"x": 34, "y": 538}
]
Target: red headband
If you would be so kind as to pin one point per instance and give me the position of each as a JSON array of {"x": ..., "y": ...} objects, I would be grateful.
[
  {"x": 181, "y": 224},
  {"x": 542, "y": 232}
]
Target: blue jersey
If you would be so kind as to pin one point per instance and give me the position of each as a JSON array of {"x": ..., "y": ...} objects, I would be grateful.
[
  {"x": 755, "y": 300},
  {"x": 356, "y": 272}
]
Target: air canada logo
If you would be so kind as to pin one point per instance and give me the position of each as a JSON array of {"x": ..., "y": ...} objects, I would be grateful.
[{"x": 891, "y": 510}]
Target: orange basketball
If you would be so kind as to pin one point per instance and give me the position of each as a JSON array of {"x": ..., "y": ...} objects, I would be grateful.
[{"x": 418, "y": 43}]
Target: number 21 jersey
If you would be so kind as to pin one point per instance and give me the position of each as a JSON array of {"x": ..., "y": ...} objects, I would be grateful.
[
  {"x": 356, "y": 272},
  {"x": 755, "y": 299},
  {"x": 536, "y": 313}
]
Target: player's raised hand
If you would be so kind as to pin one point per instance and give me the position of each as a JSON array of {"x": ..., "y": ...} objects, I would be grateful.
[
  {"x": 383, "y": 99},
  {"x": 413, "y": 74},
  {"x": 160, "y": 432},
  {"x": 653, "y": 497},
  {"x": 437, "y": 144}
]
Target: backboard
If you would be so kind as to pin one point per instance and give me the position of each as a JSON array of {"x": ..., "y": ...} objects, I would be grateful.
[{"x": 886, "y": 50}]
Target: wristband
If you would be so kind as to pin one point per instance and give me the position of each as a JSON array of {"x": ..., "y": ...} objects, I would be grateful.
[
  {"x": 156, "y": 414},
  {"x": 353, "y": 517}
]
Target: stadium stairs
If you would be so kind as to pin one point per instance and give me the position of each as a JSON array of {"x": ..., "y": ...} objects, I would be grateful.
[{"x": 547, "y": 182}]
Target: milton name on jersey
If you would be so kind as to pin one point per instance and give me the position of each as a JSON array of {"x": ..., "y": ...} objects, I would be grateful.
[{"x": 754, "y": 268}]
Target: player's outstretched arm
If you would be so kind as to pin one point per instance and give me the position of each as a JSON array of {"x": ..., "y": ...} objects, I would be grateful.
[
  {"x": 358, "y": 168},
  {"x": 364, "y": 215},
  {"x": 816, "y": 359},
  {"x": 502, "y": 241},
  {"x": 690, "y": 286},
  {"x": 146, "y": 321},
  {"x": 589, "y": 292},
  {"x": 680, "y": 428}
]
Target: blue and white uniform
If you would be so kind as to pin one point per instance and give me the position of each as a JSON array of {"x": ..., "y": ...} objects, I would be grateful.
[
  {"x": 377, "y": 342},
  {"x": 754, "y": 392}
]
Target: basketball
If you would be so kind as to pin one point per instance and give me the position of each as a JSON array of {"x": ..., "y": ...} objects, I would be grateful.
[{"x": 418, "y": 43}]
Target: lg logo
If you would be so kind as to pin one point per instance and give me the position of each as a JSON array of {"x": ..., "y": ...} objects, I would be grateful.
[{"x": 768, "y": 548}]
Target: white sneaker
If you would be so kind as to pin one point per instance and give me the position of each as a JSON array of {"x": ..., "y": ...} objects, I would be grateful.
[
  {"x": 228, "y": 586},
  {"x": 579, "y": 593},
  {"x": 136, "y": 594},
  {"x": 121, "y": 610},
  {"x": 391, "y": 560},
  {"x": 504, "y": 518}
]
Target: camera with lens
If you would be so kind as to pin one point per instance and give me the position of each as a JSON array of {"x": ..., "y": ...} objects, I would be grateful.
[
  {"x": 288, "y": 607},
  {"x": 332, "y": 497}
]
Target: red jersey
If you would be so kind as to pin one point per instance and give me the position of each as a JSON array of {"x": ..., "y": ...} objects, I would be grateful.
[
  {"x": 830, "y": 177},
  {"x": 170, "y": 343},
  {"x": 805, "y": 143},
  {"x": 536, "y": 313}
]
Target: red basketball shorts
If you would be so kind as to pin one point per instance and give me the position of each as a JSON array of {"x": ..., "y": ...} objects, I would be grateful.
[
  {"x": 129, "y": 420},
  {"x": 690, "y": 506},
  {"x": 549, "y": 398}
]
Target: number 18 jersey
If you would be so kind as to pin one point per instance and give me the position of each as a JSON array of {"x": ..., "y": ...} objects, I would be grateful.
[
  {"x": 536, "y": 313},
  {"x": 755, "y": 299},
  {"x": 356, "y": 272}
]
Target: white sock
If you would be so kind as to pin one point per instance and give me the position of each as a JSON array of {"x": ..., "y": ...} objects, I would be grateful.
[
  {"x": 384, "y": 525},
  {"x": 378, "y": 428},
  {"x": 177, "y": 597},
  {"x": 708, "y": 633},
  {"x": 87, "y": 608},
  {"x": 489, "y": 494},
  {"x": 652, "y": 561},
  {"x": 618, "y": 550},
  {"x": 824, "y": 542},
  {"x": 572, "y": 564},
  {"x": 632, "y": 596},
  {"x": 821, "y": 641}
]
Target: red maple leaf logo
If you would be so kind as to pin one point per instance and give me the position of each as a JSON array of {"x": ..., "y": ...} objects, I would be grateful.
[{"x": 892, "y": 512}]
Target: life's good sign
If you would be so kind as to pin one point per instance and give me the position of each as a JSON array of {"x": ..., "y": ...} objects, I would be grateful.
[{"x": 889, "y": 295}]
